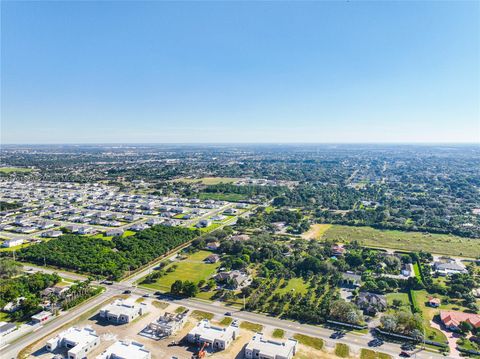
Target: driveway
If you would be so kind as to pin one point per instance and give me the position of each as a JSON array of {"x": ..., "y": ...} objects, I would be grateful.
[{"x": 451, "y": 338}]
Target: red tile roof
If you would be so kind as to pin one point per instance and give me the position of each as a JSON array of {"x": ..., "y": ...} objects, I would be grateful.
[{"x": 453, "y": 318}]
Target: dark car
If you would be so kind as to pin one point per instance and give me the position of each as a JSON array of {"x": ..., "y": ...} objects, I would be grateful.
[
  {"x": 405, "y": 354},
  {"x": 127, "y": 291},
  {"x": 228, "y": 314},
  {"x": 108, "y": 282},
  {"x": 146, "y": 295},
  {"x": 158, "y": 293},
  {"x": 337, "y": 335},
  {"x": 375, "y": 342}
]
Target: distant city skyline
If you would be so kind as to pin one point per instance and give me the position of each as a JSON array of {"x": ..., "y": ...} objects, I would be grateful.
[{"x": 240, "y": 72}]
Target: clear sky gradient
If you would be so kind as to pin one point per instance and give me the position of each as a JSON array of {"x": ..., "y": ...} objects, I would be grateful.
[{"x": 91, "y": 72}]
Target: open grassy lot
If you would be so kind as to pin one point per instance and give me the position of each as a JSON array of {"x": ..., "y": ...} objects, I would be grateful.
[
  {"x": 207, "y": 180},
  {"x": 192, "y": 268},
  {"x": 315, "y": 343},
  {"x": 253, "y": 327},
  {"x": 278, "y": 333},
  {"x": 370, "y": 354},
  {"x": 411, "y": 241},
  {"x": 14, "y": 169},
  {"x": 230, "y": 197},
  {"x": 316, "y": 231},
  {"x": 342, "y": 350},
  {"x": 297, "y": 285},
  {"x": 200, "y": 315}
]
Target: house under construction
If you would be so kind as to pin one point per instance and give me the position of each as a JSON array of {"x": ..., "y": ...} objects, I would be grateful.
[{"x": 166, "y": 325}]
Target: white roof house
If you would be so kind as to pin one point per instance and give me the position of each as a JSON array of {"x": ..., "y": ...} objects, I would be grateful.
[
  {"x": 259, "y": 347},
  {"x": 78, "y": 341},
  {"x": 12, "y": 242},
  {"x": 122, "y": 311},
  {"x": 218, "y": 338},
  {"x": 125, "y": 350}
]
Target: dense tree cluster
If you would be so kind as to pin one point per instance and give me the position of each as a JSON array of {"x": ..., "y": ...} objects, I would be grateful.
[
  {"x": 107, "y": 258},
  {"x": 27, "y": 287}
]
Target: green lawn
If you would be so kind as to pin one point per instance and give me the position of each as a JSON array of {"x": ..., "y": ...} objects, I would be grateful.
[
  {"x": 370, "y": 354},
  {"x": 315, "y": 343},
  {"x": 229, "y": 197},
  {"x": 192, "y": 268},
  {"x": 200, "y": 315},
  {"x": 15, "y": 169},
  {"x": 297, "y": 285},
  {"x": 421, "y": 296},
  {"x": 253, "y": 327},
  {"x": 278, "y": 333},
  {"x": 414, "y": 241},
  {"x": 403, "y": 297},
  {"x": 342, "y": 350}
]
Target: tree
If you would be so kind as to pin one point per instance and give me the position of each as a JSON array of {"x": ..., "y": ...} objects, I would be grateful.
[
  {"x": 190, "y": 289},
  {"x": 177, "y": 287}
]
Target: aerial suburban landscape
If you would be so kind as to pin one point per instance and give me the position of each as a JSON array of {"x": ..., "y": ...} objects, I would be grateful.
[
  {"x": 262, "y": 251},
  {"x": 239, "y": 179}
]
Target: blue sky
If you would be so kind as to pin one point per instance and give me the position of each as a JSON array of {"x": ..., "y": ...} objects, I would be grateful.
[{"x": 89, "y": 72}]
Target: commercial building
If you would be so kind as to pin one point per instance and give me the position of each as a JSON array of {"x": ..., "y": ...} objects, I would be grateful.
[
  {"x": 218, "y": 338},
  {"x": 121, "y": 311},
  {"x": 125, "y": 350},
  {"x": 261, "y": 348},
  {"x": 78, "y": 342}
]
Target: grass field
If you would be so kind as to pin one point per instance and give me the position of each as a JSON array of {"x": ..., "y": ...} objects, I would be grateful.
[
  {"x": 278, "y": 333},
  {"x": 315, "y": 343},
  {"x": 342, "y": 350},
  {"x": 297, "y": 285},
  {"x": 193, "y": 268},
  {"x": 253, "y": 327},
  {"x": 207, "y": 180},
  {"x": 229, "y": 197},
  {"x": 370, "y": 354},
  {"x": 200, "y": 315},
  {"x": 316, "y": 231},
  {"x": 409, "y": 241},
  {"x": 8, "y": 170}
]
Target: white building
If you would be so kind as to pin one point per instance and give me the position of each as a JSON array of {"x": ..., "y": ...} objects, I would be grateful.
[
  {"x": 261, "y": 348},
  {"x": 12, "y": 242},
  {"x": 78, "y": 342},
  {"x": 121, "y": 311},
  {"x": 125, "y": 350},
  {"x": 218, "y": 338}
]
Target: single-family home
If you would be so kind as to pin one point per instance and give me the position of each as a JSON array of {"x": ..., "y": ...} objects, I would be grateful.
[
  {"x": 9, "y": 243},
  {"x": 448, "y": 268},
  {"x": 434, "y": 302},
  {"x": 371, "y": 303},
  {"x": 452, "y": 319},
  {"x": 213, "y": 246},
  {"x": 114, "y": 232},
  {"x": 212, "y": 258}
]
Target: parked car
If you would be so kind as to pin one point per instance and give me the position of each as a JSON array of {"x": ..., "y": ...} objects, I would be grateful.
[{"x": 127, "y": 291}]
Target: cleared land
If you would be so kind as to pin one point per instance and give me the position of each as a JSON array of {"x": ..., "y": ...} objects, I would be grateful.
[
  {"x": 409, "y": 241},
  {"x": 207, "y": 180},
  {"x": 316, "y": 231},
  {"x": 193, "y": 268}
]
